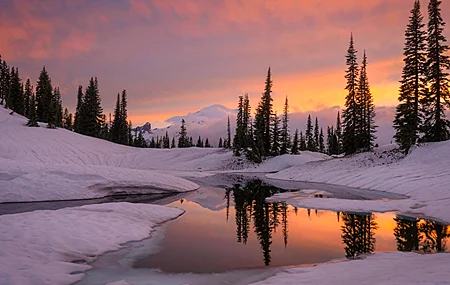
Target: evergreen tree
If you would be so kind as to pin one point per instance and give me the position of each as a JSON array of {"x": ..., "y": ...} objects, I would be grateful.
[
  {"x": 303, "y": 145},
  {"x": 316, "y": 135},
  {"x": 124, "y": 139},
  {"x": 16, "y": 97},
  {"x": 58, "y": 107},
  {"x": 52, "y": 113},
  {"x": 310, "y": 143},
  {"x": 130, "y": 135},
  {"x": 183, "y": 140},
  {"x": 437, "y": 99},
  {"x": 228, "y": 144},
  {"x": 199, "y": 142},
  {"x": 246, "y": 121},
  {"x": 152, "y": 143},
  {"x": 263, "y": 119},
  {"x": 220, "y": 143},
  {"x": 338, "y": 134},
  {"x": 366, "y": 132},
  {"x": 295, "y": 143},
  {"x": 285, "y": 137},
  {"x": 321, "y": 142},
  {"x": 116, "y": 127},
  {"x": 166, "y": 140},
  {"x": 350, "y": 114},
  {"x": 90, "y": 121},
  {"x": 240, "y": 136},
  {"x": 207, "y": 144},
  {"x": 190, "y": 144},
  {"x": 173, "y": 143},
  {"x": 28, "y": 93},
  {"x": 44, "y": 97},
  {"x": 67, "y": 120},
  {"x": 275, "y": 136},
  {"x": 32, "y": 116},
  {"x": 78, "y": 114},
  {"x": 408, "y": 118}
]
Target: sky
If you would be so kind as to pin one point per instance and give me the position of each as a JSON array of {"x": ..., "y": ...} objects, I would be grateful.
[{"x": 177, "y": 56}]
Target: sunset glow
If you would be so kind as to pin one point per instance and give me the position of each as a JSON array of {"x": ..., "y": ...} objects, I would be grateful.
[{"x": 175, "y": 57}]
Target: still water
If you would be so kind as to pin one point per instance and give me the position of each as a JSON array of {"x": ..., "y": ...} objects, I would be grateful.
[{"x": 233, "y": 228}]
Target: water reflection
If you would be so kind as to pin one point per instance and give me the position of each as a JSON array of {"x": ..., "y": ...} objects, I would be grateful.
[
  {"x": 358, "y": 230},
  {"x": 413, "y": 234}
]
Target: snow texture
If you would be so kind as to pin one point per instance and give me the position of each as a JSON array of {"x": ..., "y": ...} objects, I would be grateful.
[
  {"x": 395, "y": 268},
  {"x": 53, "y": 247}
]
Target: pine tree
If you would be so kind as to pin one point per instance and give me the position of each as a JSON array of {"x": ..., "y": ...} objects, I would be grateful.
[
  {"x": 321, "y": 142},
  {"x": 366, "y": 132},
  {"x": 220, "y": 143},
  {"x": 116, "y": 127},
  {"x": 239, "y": 136},
  {"x": 152, "y": 143},
  {"x": 275, "y": 136},
  {"x": 310, "y": 142},
  {"x": 246, "y": 121},
  {"x": 32, "y": 116},
  {"x": 78, "y": 111},
  {"x": 52, "y": 113},
  {"x": 303, "y": 145},
  {"x": 263, "y": 118},
  {"x": 28, "y": 93},
  {"x": 350, "y": 114},
  {"x": 295, "y": 144},
  {"x": 58, "y": 107},
  {"x": 408, "y": 118},
  {"x": 90, "y": 121},
  {"x": 166, "y": 140},
  {"x": 130, "y": 135},
  {"x": 437, "y": 99},
  {"x": 228, "y": 144},
  {"x": 199, "y": 142},
  {"x": 285, "y": 137},
  {"x": 183, "y": 140},
  {"x": 67, "y": 120},
  {"x": 173, "y": 143},
  {"x": 190, "y": 144},
  {"x": 5, "y": 82},
  {"x": 316, "y": 135},
  {"x": 207, "y": 144},
  {"x": 16, "y": 97},
  {"x": 44, "y": 96},
  {"x": 338, "y": 134},
  {"x": 124, "y": 139}
]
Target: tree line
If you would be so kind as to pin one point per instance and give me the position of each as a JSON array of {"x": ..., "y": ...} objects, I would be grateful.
[{"x": 424, "y": 90}]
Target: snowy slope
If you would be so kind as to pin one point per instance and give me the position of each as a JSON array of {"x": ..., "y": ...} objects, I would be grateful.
[
  {"x": 423, "y": 176},
  {"x": 40, "y": 247},
  {"x": 395, "y": 268}
]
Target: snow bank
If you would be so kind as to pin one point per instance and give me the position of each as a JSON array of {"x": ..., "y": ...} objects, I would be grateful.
[
  {"x": 382, "y": 268},
  {"x": 422, "y": 176},
  {"x": 53, "y": 247},
  {"x": 281, "y": 162}
]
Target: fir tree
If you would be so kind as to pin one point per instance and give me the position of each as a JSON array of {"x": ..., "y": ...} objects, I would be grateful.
[
  {"x": 67, "y": 120},
  {"x": 228, "y": 144},
  {"x": 275, "y": 136},
  {"x": 166, "y": 140},
  {"x": 183, "y": 140},
  {"x": 321, "y": 142},
  {"x": 207, "y": 144},
  {"x": 173, "y": 143},
  {"x": 152, "y": 143},
  {"x": 316, "y": 135},
  {"x": 190, "y": 144},
  {"x": 90, "y": 121},
  {"x": 437, "y": 99},
  {"x": 310, "y": 142},
  {"x": 78, "y": 114},
  {"x": 408, "y": 117},
  {"x": 246, "y": 121},
  {"x": 239, "y": 137},
  {"x": 263, "y": 118},
  {"x": 367, "y": 129},
  {"x": 116, "y": 127},
  {"x": 5, "y": 82},
  {"x": 220, "y": 145},
  {"x": 58, "y": 107},
  {"x": 303, "y": 145},
  {"x": 52, "y": 113},
  {"x": 285, "y": 137},
  {"x": 44, "y": 97},
  {"x": 295, "y": 143},
  {"x": 338, "y": 134},
  {"x": 32, "y": 116},
  {"x": 199, "y": 142},
  {"x": 130, "y": 135},
  {"x": 28, "y": 93},
  {"x": 16, "y": 97},
  {"x": 350, "y": 114}
]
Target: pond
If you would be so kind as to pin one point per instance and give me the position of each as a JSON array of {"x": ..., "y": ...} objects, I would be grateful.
[{"x": 233, "y": 228}]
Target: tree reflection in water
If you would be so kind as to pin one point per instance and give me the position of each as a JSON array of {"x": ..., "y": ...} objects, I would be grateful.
[{"x": 357, "y": 229}]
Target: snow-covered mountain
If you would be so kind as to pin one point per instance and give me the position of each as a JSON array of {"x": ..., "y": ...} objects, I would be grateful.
[{"x": 209, "y": 122}]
